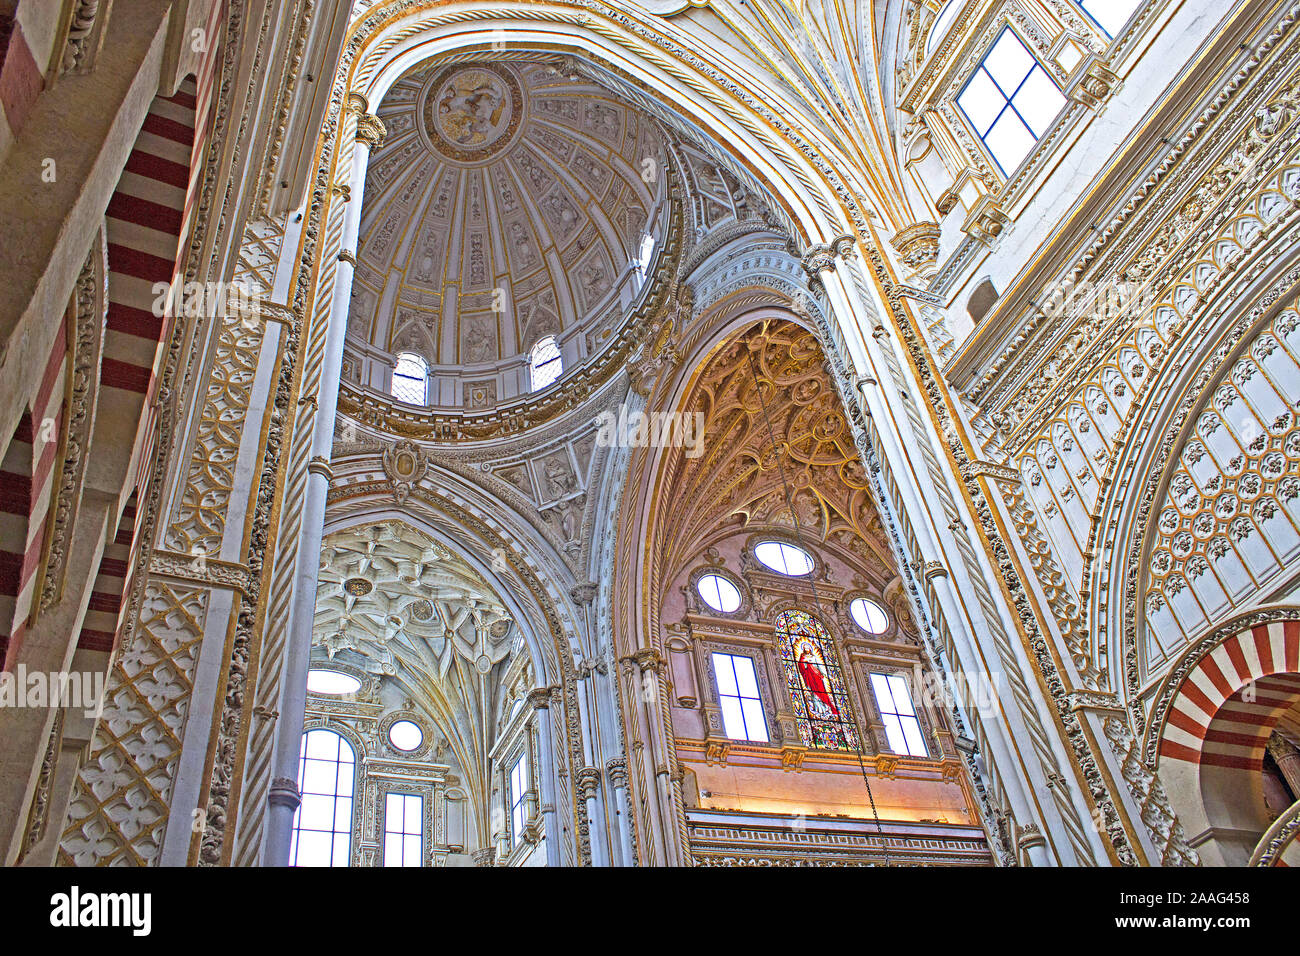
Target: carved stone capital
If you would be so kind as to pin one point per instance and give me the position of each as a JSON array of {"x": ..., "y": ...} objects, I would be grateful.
[
  {"x": 284, "y": 793},
  {"x": 320, "y": 465},
  {"x": 715, "y": 752},
  {"x": 792, "y": 757},
  {"x": 583, "y": 593},
  {"x": 539, "y": 698},
  {"x": 918, "y": 244},
  {"x": 985, "y": 221},
  {"x": 1095, "y": 86},
  {"x": 371, "y": 130},
  {"x": 646, "y": 659},
  {"x": 820, "y": 257},
  {"x": 357, "y": 104},
  {"x": 935, "y": 569},
  {"x": 617, "y": 770},
  {"x": 1028, "y": 836},
  {"x": 587, "y": 781}
]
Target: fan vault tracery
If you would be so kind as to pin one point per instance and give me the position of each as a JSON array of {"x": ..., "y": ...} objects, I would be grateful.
[
  {"x": 397, "y": 605},
  {"x": 737, "y": 482}
]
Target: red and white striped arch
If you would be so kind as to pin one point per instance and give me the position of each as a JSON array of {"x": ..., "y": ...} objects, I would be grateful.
[
  {"x": 27, "y": 476},
  {"x": 1227, "y": 705}
]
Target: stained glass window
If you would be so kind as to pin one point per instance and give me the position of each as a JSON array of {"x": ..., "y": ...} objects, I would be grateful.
[{"x": 815, "y": 683}]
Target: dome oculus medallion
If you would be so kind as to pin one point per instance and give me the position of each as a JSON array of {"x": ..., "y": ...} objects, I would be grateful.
[
  {"x": 471, "y": 113},
  {"x": 508, "y": 202}
]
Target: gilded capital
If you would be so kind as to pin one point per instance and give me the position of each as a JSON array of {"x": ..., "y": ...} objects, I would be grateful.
[{"x": 371, "y": 130}]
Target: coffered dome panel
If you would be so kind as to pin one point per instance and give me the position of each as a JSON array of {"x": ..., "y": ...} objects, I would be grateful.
[{"x": 508, "y": 202}]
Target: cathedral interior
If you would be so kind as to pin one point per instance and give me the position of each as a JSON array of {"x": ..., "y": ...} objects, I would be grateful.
[{"x": 660, "y": 433}]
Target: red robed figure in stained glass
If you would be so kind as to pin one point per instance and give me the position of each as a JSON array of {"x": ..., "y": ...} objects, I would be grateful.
[
  {"x": 810, "y": 671},
  {"x": 814, "y": 682}
]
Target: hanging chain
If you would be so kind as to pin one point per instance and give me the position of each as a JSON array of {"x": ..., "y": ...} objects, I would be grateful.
[{"x": 798, "y": 535}]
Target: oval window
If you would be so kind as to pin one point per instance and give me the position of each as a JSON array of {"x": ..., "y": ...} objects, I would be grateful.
[
  {"x": 718, "y": 593},
  {"x": 869, "y": 616},
  {"x": 405, "y": 735},
  {"x": 331, "y": 682},
  {"x": 784, "y": 558}
]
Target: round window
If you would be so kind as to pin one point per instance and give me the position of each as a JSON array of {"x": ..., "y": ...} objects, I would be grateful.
[
  {"x": 869, "y": 615},
  {"x": 331, "y": 682},
  {"x": 718, "y": 593},
  {"x": 784, "y": 558},
  {"x": 405, "y": 735}
]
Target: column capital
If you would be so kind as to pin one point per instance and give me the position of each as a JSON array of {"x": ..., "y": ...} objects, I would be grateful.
[
  {"x": 583, "y": 593},
  {"x": 357, "y": 104},
  {"x": 284, "y": 793},
  {"x": 587, "y": 781},
  {"x": 319, "y": 465},
  {"x": 371, "y": 130},
  {"x": 647, "y": 659},
  {"x": 617, "y": 770},
  {"x": 539, "y": 698},
  {"x": 820, "y": 257},
  {"x": 1279, "y": 748}
]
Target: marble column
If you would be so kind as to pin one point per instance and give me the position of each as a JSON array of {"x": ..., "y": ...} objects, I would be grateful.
[
  {"x": 540, "y": 700},
  {"x": 616, "y": 772},
  {"x": 369, "y": 132},
  {"x": 918, "y": 501}
]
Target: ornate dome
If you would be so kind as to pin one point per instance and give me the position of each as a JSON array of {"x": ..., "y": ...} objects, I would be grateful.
[{"x": 509, "y": 201}]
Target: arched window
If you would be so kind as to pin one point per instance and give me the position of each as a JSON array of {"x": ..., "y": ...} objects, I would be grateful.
[
  {"x": 322, "y": 827},
  {"x": 815, "y": 683},
  {"x": 1010, "y": 100},
  {"x": 546, "y": 364},
  {"x": 642, "y": 262},
  {"x": 1110, "y": 15},
  {"x": 941, "y": 24},
  {"x": 411, "y": 379}
]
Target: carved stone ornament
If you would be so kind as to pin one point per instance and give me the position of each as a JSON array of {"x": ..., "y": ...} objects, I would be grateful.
[
  {"x": 918, "y": 244},
  {"x": 405, "y": 464},
  {"x": 371, "y": 130},
  {"x": 1095, "y": 86},
  {"x": 985, "y": 221}
]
